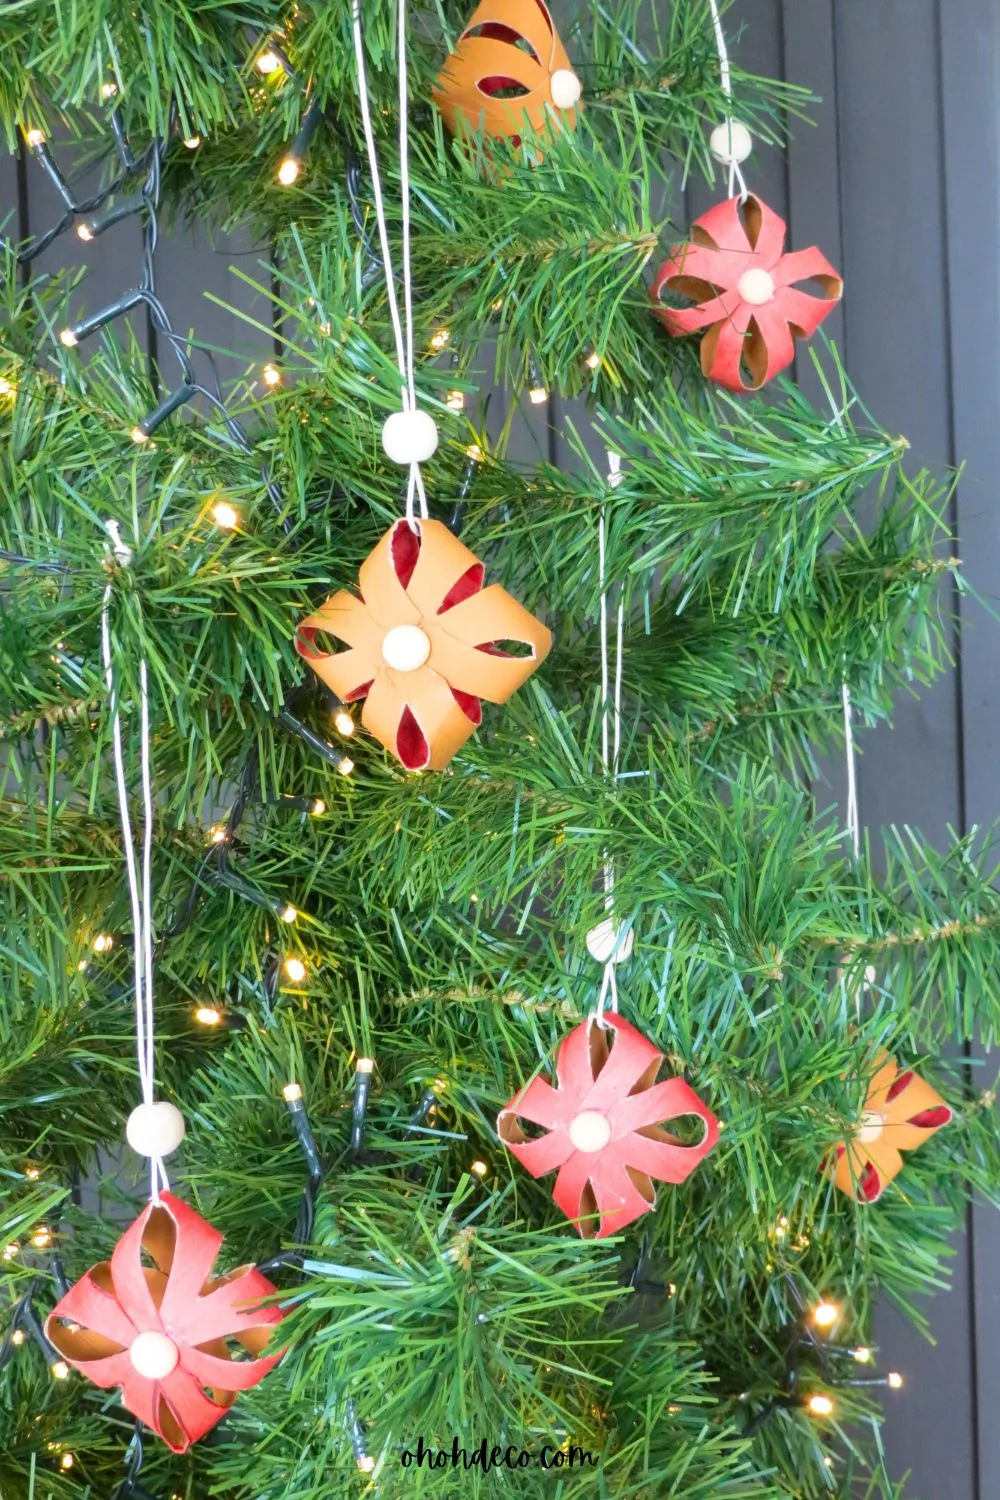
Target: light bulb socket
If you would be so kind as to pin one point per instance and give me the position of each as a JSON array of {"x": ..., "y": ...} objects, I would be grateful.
[
  {"x": 359, "y": 1107},
  {"x": 98, "y": 223},
  {"x": 97, "y": 320},
  {"x": 308, "y": 128},
  {"x": 166, "y": 408}
]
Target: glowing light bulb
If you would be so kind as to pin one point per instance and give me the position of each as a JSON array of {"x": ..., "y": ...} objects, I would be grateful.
[
  {"x": 455, "y": 401},
  {"x": 439, "y": 339},
  {"x": 365, "y": 1065},
  {"x": 139, "y": 434},
  {"x": 289, "y": 914},
  {"x": 820, "y": 1406},
  {"x": 474, "y": 452},
  {"x": 103, "y": 942},
  {"x": 85, "y": 233},
  {"x": 480, "y": 1168},
  {"x": 9, "y": 1251},
  {"x": 345, "y": 766},
  {"x": 366, "y": 1463},
  {"x": 825, "y": 1314},
  {"x": 288, "y": 171},
  {"x": 593, "y": 360},
  {"x": 17, "y": 1337},
  {"x": 295, "y": 969},
  {"x": 60, "y": 1370},
  {"x": 271, "y": 375},
  {"x": 862, "y": 1354},
  {"x": 192, "y": 142},
  {"x": 68, "y": 339},
  {"x": 5, "y": 386},
  {"x": 32, "y": 1174},
  {"x": 895, "y": 1380},
  {"x": 42, "y": 1237},
  {"x": 537, "y": 395},
  {"x": 108, "y": 90},
  {"x": 82, "y": 966},
  {"x": 225, "y": 515},
  {"x": 268, "y": 62},
  {"x": 35, "y": 138},
  {"x": 318, "y": 808},
  {"x": 66, "y": 1462},
  {"x": 292, "y": 1091},
  {"x": 217, "y": 835},
  {"x": 207, "y": 1015},
  {"x": 343, "y": 723}
]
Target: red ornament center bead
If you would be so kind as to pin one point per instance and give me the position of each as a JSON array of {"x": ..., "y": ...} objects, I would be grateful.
[
  {"x": 756, "y": 286},
  {"x": 153, "y": 1355},
  {"x": 590, "y": 1130}
]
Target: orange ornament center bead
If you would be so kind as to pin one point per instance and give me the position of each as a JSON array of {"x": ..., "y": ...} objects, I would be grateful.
[
  {"x": 405, "y": 648},
  {"x": 872, "y": 1126}
]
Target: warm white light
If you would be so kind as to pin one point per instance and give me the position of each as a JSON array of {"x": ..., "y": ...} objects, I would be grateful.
[
  {"x": 295, "y": 969},
  {"x": 66, "y": 1462},
  {"x": 218, "y": 833},
  {"x": 192, "y": 142},
  {"x": 825, "y": 1314},
  {"x": 82, "y": 966},
  {"x": 68, "y": 339},
  {"x": 480, "y": 1168},
  {"x": 318, "y": 808},
  {"x": 455, "y": 401},
  {"x": 365, "y": 1065},
  {"x": 41, "y": 1237},
  {"x": 268, "y": 62},
  {"x": 343, "y": 723},
  {"x": 108, "y": 90},
  {"x": 474, "y": 452},
  {"x": 537, "y": 395},
  {"x": 439, "y": 339},
  {"x": 85, "y": 233},
  {"x": 32, "y": 1174},
  {"x": 895, "y": 1380},
  {"x": 5, "y": 386},
  {"x": 271, "y": 375},
  {"x": 292, "y": 1091},
  {"x": 289, "y": 170},
  {"x": 593, "y": 360},
  {"x": 9, "y": 1251},
  {"x": 35, "y": 138},
  {"x": 820, "y": 1406},
  {"x": 289, "y": 914},
  {"x": 225, "y": 515},
  {"x": 60, "y": 1370},
  {"x": 102, "y": 942},
  {"x": 366, "y": 1463},
  {"x": 207, "y": 1015},
  {"x": 139, "y": 434},
  {"x": 346, "y": 766},
  {"x": 17, "y": 1337},
  {"x": 862, "y": 1354}
]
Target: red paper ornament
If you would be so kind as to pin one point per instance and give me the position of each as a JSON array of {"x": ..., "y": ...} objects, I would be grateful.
[
  {"x": 604, "y": 1123},
  {"x": 160, "y": 1332},
  {"x": 426, "y": 642},
  {"x": 746, "y": 290}
]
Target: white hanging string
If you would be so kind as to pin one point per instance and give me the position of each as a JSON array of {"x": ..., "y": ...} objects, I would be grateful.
[
  {"x": 853, "y": 819},
  {"x": 404, "y": 342},
  {"x": 611, "y": 731},
  {"x": 139, "y": 895},
  {"x": 725, "y": 77}
]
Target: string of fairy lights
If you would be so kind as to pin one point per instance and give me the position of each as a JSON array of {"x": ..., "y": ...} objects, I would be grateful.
[{"x": 809, "y": 1352}]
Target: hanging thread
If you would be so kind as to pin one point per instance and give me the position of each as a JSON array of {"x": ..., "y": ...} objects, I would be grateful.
[
  {"x": 853, "y": 818},
  {"x": 140, "y": 891},
  {"x": 725, "y": 78},
  {"x": 611, "y": 735},
  {"x": 404, "y": 341}
]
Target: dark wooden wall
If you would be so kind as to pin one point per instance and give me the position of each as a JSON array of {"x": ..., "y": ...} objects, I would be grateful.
[{"x": 899, "y": 181}]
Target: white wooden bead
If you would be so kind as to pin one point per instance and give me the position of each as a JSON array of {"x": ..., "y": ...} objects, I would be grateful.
[
  {"x": 607, "y": 943},
  {"x": 590, "y": 1130},
  {"x": 409, "y": 437},
  {"x": 730, "y": 142},
  {"x": 406, "y": 647},
  {"x": 155, "y": 1129},
  {"x": 872, "y": 1126},
  {"x": 153, "y": 1355},
  {"x": 756, "y": 286},
  {"x": 565, "y": 88}
]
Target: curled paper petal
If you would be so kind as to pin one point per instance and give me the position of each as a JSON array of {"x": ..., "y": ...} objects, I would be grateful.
[
  {"x": 190, "y": 1316},
  {"x": 500, "y": 73},
  {"x": 603, "y": 1120},
  {"x": 426, "y": 643},
  {"x": 745, "y": 293},
  {"x": 901, "y": 1112}
]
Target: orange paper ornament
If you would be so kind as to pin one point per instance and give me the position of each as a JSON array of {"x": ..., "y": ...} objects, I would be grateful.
[
  {"x": 900, "y": 1113},
  {"x": 508, "y": 66},
  {"x": 426, "y": 641}
]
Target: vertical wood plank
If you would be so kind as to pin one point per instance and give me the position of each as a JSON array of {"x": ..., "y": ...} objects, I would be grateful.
[{"x": 969, "y": 32}]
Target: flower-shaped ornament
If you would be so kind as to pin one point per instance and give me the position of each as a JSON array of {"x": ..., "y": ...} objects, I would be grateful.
[{"x": 900, "y": 1113}]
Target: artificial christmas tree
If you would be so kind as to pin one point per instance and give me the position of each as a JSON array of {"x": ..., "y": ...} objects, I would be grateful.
[{"x": 358, "y": 965}]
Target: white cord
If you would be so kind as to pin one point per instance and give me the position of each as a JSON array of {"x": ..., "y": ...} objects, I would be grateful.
[
  {"x": 404, "y": 342},
  {"x": 853, "y": 819},
  {"x": 725, "y": 77},
  {"x": 140, "y": 897},
  {"x": 611, "y": 727}
]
